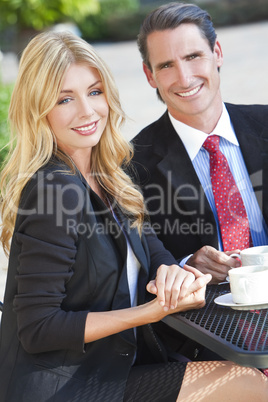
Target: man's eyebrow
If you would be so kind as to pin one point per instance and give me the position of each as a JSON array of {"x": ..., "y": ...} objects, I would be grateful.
[
  {"x": 90, "y": 86},
  {"x": 160, "y": 65},
  {"x": 194, "y": 53}
]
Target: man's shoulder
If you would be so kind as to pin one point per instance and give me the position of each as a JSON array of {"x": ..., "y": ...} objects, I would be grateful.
[{"x": 256, "y": 111}]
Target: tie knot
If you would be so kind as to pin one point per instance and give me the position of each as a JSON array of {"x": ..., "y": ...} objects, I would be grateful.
[{"x": 212, "y": 143}]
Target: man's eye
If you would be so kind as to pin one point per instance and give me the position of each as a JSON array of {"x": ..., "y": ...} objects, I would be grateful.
[{"x": 192, "y": 57}]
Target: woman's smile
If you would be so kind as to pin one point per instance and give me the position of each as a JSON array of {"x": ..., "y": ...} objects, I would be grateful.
[{"x": 87, "y": 129}]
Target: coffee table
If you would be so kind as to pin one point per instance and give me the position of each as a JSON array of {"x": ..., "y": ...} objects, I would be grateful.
[{"x": 240, "y": 336}]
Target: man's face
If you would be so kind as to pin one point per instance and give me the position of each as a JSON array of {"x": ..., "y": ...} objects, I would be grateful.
[{"x": 185, "y": 71}]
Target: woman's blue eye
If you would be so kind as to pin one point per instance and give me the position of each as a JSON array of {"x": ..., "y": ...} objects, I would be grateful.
[
  {"x": 94, "y": 93},
  {"x": 67, "y": 100}
]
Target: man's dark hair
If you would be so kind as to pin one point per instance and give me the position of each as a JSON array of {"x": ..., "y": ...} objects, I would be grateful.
[{"x": 170, "y": 16}]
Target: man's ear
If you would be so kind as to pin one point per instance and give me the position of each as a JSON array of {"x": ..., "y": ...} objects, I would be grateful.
[
  {"x": 218, "y": 54},
  {"x": 149, "y": 75}
]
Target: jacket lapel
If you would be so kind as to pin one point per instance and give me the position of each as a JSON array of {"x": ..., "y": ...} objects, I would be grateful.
[{"x": 174, "y": 158}]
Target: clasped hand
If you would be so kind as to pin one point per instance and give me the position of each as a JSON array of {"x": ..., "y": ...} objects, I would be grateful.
[{"x": 179, "y": 289}]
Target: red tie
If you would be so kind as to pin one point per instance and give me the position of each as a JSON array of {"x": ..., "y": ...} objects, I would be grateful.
[{"x": 233, "y": 220}]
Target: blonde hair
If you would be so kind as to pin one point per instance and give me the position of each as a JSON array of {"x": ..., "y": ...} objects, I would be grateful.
[{"x": 42, "y": 67}]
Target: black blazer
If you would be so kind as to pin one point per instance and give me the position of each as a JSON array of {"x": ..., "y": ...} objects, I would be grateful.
[
  {"x": 68, "y": 257},
  {"x": 180, "y": 212}
]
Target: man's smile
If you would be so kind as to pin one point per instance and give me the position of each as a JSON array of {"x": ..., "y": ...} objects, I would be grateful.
[{"x": 190, "y": 93}]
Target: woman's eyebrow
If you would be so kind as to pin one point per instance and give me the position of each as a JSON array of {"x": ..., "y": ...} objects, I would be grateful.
[{"x": 90, "y": 86}]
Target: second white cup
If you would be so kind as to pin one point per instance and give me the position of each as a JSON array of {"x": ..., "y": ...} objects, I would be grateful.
[{"x": 249, "y": 284}]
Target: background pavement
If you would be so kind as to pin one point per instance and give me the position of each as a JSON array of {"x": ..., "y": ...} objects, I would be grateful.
[{"x": 243, "y": 80}]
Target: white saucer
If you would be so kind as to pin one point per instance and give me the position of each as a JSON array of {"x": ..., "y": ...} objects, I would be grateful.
[{"x": 227, "y": 301}]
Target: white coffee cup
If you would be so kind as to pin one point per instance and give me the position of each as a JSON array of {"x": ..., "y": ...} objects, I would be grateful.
[
  {"x": 249, "y": 284},
  {"x": 253, "y": 256}
]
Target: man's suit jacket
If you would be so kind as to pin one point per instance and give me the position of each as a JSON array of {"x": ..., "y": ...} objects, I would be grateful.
[
  {"x": 70, "y": 255},
  {"x": 179, "y": 210}
]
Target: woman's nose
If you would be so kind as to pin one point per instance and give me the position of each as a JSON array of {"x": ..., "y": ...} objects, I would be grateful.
[{"x": 85, "y": 108}]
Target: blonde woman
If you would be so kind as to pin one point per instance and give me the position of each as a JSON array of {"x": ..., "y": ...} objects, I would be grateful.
[{"x": 77, "y": 318}]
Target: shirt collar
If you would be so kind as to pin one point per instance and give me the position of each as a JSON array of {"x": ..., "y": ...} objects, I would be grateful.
[{"x": 193, "y": 139}]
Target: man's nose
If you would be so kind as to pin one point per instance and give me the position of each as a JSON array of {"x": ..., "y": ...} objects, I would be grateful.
[{"x": 183, "y": 75}]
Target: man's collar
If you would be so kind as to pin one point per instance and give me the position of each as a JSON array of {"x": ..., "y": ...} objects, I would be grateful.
[{"x": 193, "y": 139}]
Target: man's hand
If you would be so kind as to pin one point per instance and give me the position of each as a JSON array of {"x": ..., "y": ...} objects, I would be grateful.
[{"x": 208, "y": 260}]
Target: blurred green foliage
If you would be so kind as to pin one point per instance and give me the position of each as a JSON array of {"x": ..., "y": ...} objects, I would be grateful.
[
  {"x": 112, "y": 12},
  {"x": 5, "y": 94},
  {"x": 235, "y": 12},
  {"x": 22, "y": 19},
  {"x": 102, "y": 20},
  {"x": 121, "y": 19},
  {"x": 38, "y": 14}
]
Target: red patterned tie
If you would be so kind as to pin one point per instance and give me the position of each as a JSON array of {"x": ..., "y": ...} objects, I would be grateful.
[{"x": 233, "y": 220}]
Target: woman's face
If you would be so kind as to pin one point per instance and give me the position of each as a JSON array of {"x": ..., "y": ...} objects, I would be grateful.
[{"x": 80, "y": 115}]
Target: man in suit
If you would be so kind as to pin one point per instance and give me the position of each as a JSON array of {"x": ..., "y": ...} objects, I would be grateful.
[{"x": 181, "y": 60}]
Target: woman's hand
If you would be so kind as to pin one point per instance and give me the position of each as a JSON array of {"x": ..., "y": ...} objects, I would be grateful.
[
  {"x": 176, "y": 289},
  {"x": 179, "y": 288}
]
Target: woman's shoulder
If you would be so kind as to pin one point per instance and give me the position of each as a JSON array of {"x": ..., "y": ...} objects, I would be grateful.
[
  {"x": 55, "y": 172},
  {"x": 54, "y": 178}
]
